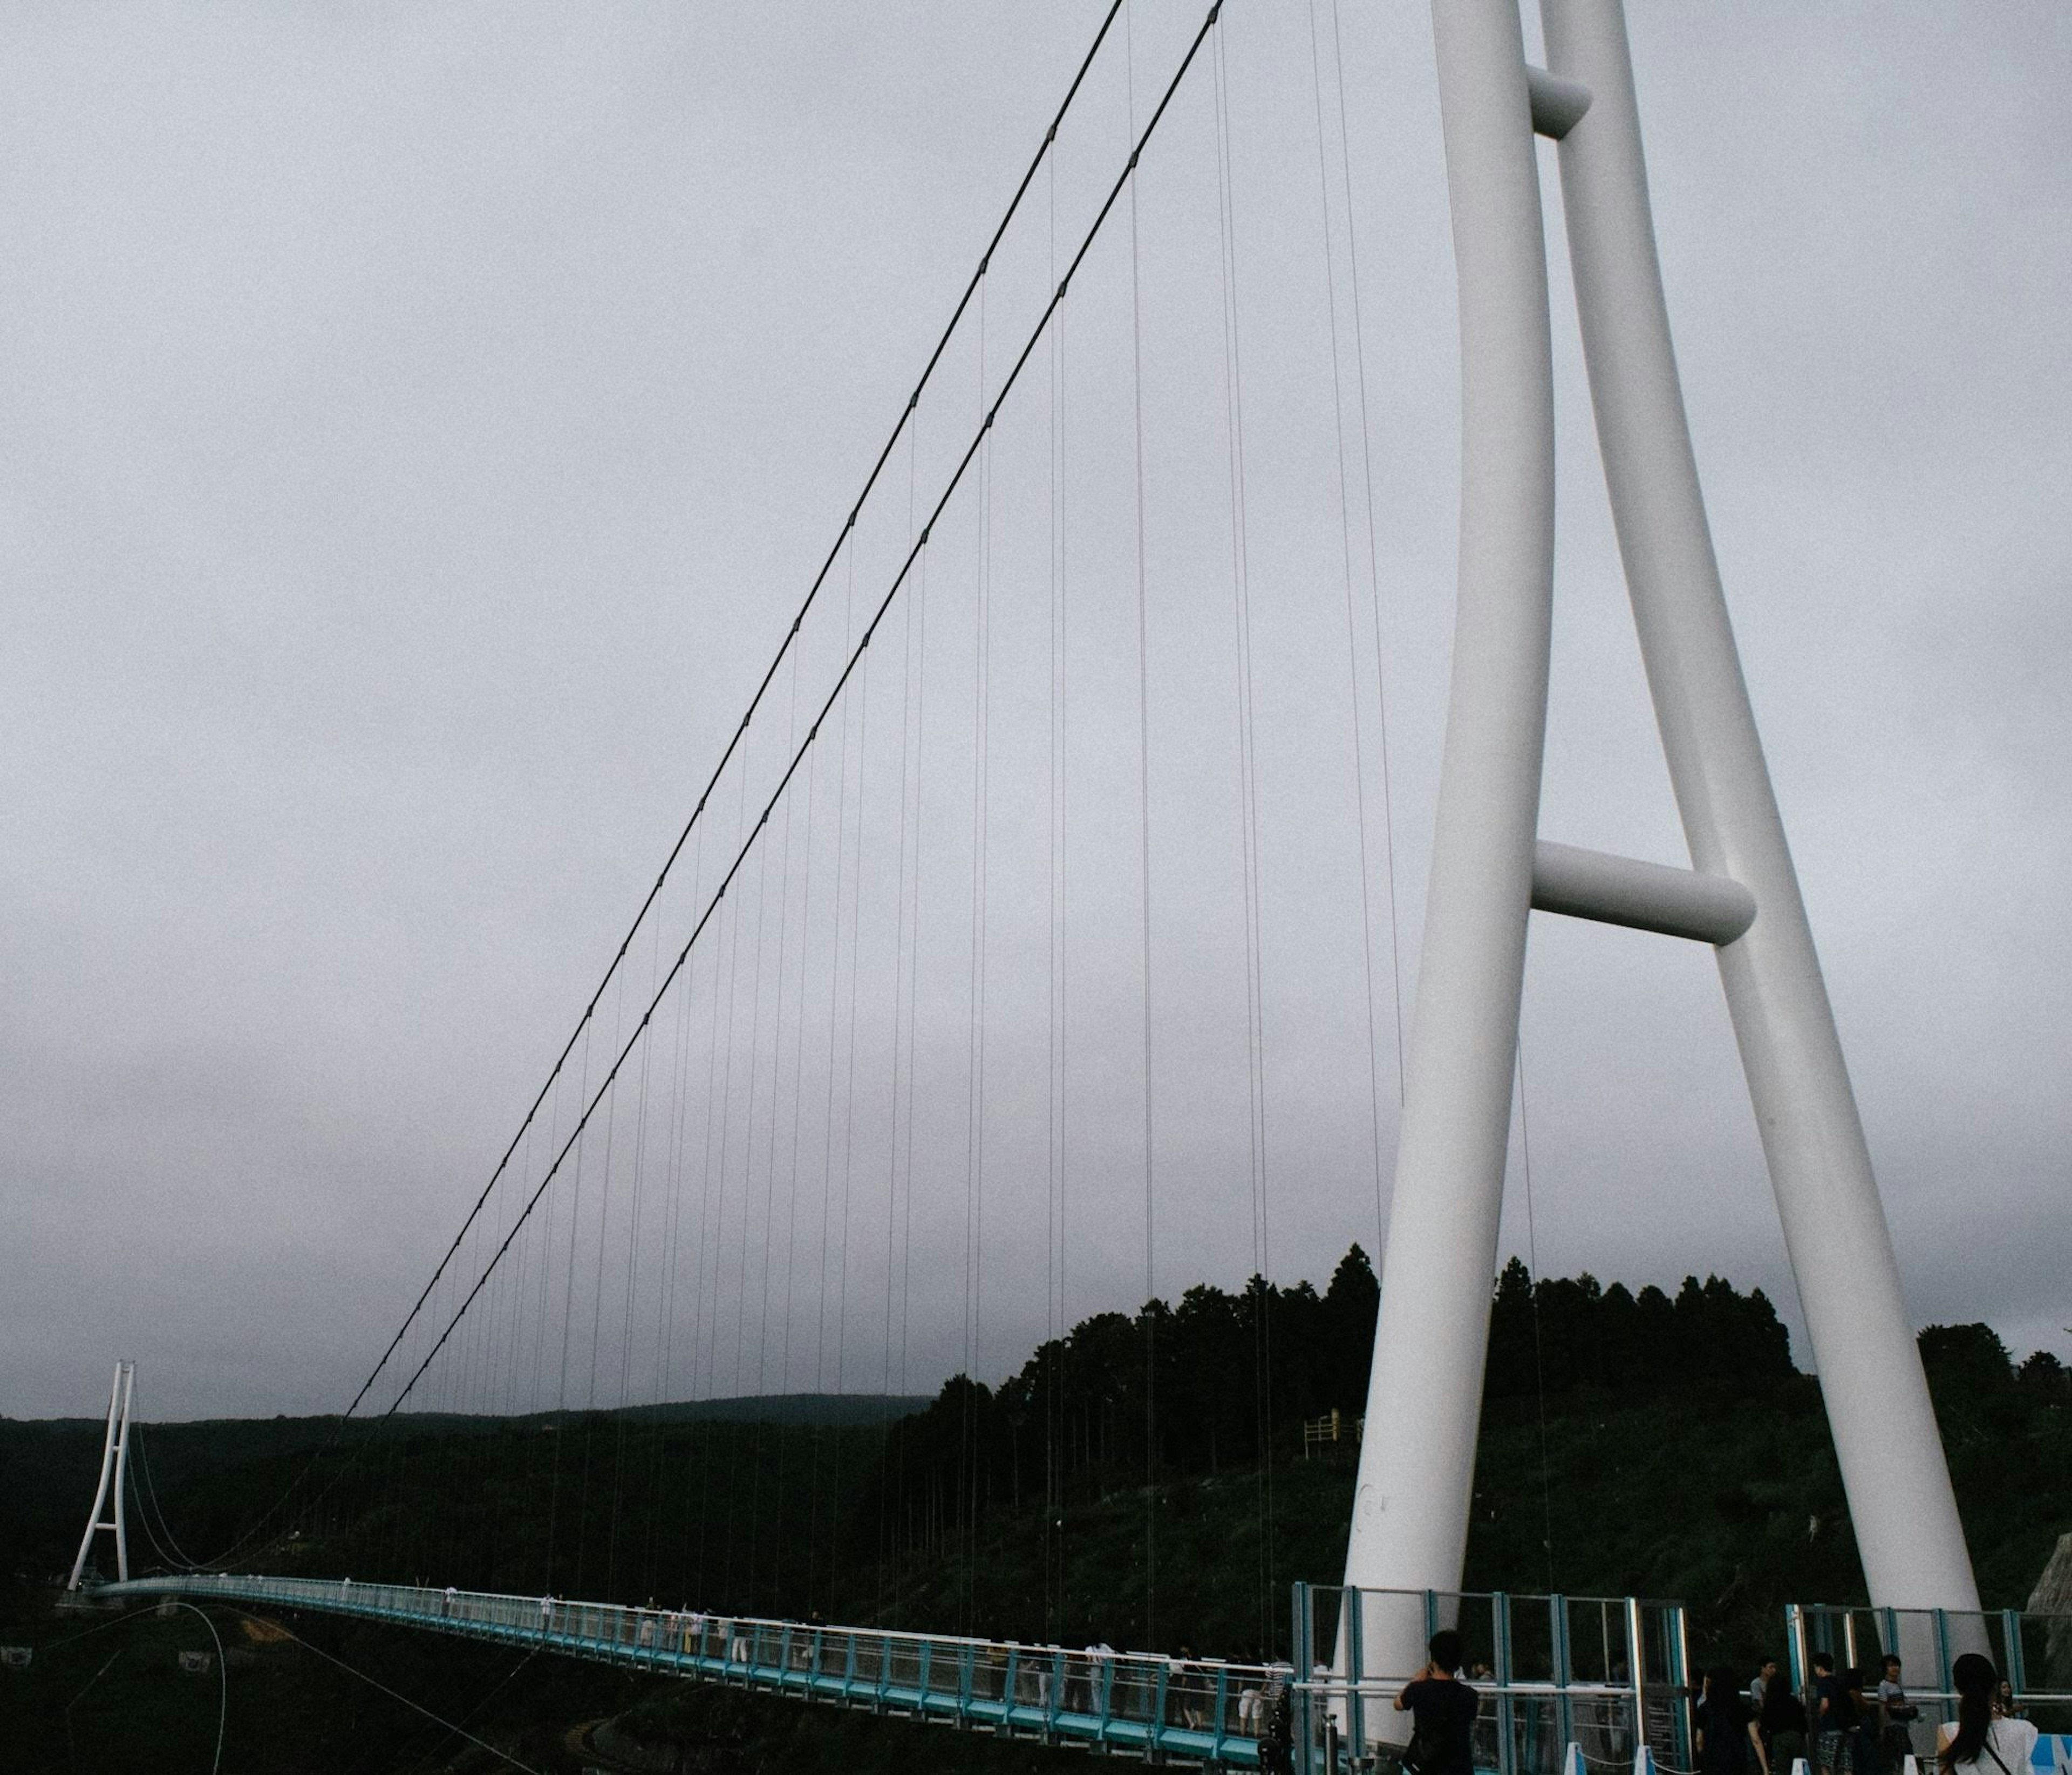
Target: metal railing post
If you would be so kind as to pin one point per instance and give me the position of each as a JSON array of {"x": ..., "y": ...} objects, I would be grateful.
[
  {"x": 1679, "y": 1644},
  {"x": 1299, "y": 1638},
  {"x": 2014, "y": 1665},
  {"x": 1507, "y": 1723},
  {"x": 1636, "y": 1633},
  {"x": 1356, "y": 1671}
]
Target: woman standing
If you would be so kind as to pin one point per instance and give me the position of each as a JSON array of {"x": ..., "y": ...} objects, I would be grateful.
[
  {"x": 1782, "y": 1727},
  {"x": 1727, "y": 1741},
  {"x": 1984, "y": 1741}
]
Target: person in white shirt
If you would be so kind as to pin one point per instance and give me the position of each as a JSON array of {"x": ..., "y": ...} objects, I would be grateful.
[{"x": 1982, "y": 1742}]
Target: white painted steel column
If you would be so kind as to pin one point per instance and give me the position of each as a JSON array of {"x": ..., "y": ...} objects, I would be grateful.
[
  {"x": 1410, "y": 1516},
  {"x": 120, "y": 1516},
  {"x": 114, "y": 1464},
  {"x": 1900, "y": 1499}
]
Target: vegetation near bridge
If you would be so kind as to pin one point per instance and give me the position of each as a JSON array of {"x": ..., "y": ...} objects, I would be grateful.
[{"x": 1632, "y": 1442}]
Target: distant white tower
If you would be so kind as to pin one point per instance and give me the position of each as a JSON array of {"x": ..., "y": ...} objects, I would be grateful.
[
  {"x": 1490, "y": 869},
  {"x": 115, "y": 1469}
]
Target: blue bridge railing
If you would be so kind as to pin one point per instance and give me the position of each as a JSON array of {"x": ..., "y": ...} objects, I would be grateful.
[{"x": 1202, "y": 1710}]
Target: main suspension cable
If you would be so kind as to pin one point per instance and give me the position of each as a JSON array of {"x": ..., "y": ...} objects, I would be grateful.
[
  {"x": 575, "y": 1141},
  {"x": 734, "y": 739},
  {"x": 1123, "y": 181}
]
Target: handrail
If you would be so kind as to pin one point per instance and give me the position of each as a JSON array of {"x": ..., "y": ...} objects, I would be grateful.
[{"x": 1179, "y": 1710}]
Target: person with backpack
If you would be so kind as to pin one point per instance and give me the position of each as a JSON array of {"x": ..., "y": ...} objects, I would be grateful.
[{"x": 1443, "y": 1709}]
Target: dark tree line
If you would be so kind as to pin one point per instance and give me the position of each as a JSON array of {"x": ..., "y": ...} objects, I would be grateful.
[
  {"x": 1190, "y": 1390},
  {"x": 1565, "y": 1333},
  {"x": 1679, "y": 1453}
]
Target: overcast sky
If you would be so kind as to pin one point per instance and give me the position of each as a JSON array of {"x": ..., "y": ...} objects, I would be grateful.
[{"x": 423, "y": 422}]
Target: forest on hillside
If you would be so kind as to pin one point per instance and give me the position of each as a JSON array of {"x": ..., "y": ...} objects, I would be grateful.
[{"x": 1145, "y": 1479}]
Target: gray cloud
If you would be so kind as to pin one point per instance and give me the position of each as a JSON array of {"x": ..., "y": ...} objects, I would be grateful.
[{"x": 421, "y": 427}]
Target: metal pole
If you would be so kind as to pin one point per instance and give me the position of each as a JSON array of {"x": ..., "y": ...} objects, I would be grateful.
[
  {"x": 1636, "y": 1630},
  {"x": 1410, "y": 1516},
  {"x": 1885, "y": 1439}
]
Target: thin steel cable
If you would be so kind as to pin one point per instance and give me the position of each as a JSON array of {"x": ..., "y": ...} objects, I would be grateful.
[
  {"x": 975, "y": 1035},
  {"x": 501, "y": 1684},
  {"x": 393, "y": 1695},
  {"x": 734, "y": 739},
  {"x": 1248, "y": 809},
  {"x": 585, "y": 1024},
  {"x": 222, "y": 1684},
  {"x": 770, "y": 1186},
  {"x": 1124, "y": 181},
  {"x": 150, "y": 1486},
  {"x": 900, "y": 963},
  {"x": 903, "y": 1201},
  {"x": 699, "y": 1449},
  {"x": 1144, "y": 876},
  {"x": 748, "y": 1120},
  {"x": 632, "y": 1285},
  {"x": 665, "y": 1327},
  {"x": 1539, "y": 1361},
  {"x": 604, "y": 1209},
  {"x": 167, "y": 1557},
  {"x": 848, "y": 1099},
  {"x": 719, "y": 1210},
  {"x": 1054, "y": 1219},
  {"x": 1352, "y": 639},
  {"x": 743, "y": 1431},
  {"x": 1374, "y": 563},
  {"x": 798, "y": 1105}
]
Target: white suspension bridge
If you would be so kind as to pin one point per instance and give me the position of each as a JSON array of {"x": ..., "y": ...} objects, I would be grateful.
[{"x": 754, "y": 933}]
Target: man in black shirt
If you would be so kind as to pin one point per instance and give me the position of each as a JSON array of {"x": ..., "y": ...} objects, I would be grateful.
[
  {"x": 1444, "y": 1709},
  {"x": 1830, "y": 1706}
]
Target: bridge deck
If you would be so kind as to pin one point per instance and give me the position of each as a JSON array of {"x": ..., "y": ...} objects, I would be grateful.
[{"x": 1198, "y": 1712}]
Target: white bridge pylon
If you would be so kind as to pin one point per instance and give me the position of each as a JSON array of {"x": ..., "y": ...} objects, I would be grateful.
[
  {"x": 1490, "y": 869},
  {"x": 115, "y": 1471}
]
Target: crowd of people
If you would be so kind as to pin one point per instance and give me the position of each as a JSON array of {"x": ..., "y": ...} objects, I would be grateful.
[{"x": 1856, "y": 1722}]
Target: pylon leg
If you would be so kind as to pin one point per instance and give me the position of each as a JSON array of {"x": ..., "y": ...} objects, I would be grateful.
[
  {"x": 1840, "y": 1248},
  {"x": 1410, "y": 1514},
  {"x": 1409, "y": 1530}
]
